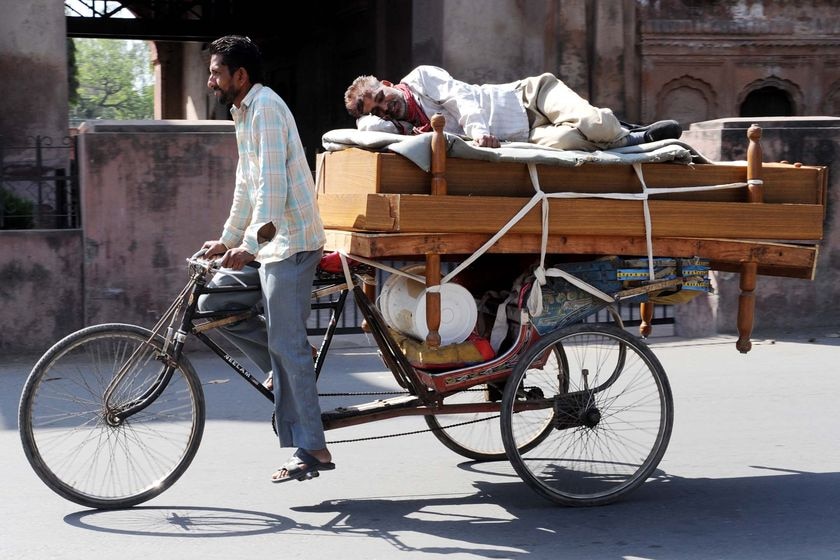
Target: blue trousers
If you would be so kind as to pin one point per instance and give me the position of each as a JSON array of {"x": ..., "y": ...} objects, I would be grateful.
[{"x": 279, "y": 343}]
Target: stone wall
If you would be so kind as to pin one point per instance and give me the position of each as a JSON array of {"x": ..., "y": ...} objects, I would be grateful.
[
  {"x": 152, "y": 193},
  {"x": 40, "y": 288},
  {"x": 780, "y": 303}
]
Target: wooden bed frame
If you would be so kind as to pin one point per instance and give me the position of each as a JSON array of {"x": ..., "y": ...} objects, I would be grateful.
[{"x": 382, "y": 206}]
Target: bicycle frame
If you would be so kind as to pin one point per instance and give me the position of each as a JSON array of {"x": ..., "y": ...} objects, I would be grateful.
[
  {"x": 197, "y": 323},
  {"x": 426, "y": 389}
]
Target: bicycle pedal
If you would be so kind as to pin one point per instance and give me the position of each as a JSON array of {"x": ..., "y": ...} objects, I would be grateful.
[{"x": 309, "y": 476}]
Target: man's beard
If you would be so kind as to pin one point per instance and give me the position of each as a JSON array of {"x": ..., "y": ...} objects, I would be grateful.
[
  {"x": 227, "y": 96},
  {"x": 398, "y": 109}
]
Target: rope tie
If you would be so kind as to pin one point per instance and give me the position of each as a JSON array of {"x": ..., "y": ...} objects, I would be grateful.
[
  {"x": 540, "y": 273},
  {"x": 637, "y": 167}
]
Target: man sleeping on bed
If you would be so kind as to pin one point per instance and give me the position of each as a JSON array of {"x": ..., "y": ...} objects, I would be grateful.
[{"x": 540, "y": 109}]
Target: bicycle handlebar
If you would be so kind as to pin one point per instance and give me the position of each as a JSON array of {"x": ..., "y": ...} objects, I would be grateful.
[{"x": 212, "y": 264}]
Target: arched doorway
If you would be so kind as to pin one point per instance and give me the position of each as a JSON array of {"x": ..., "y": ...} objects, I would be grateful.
[{"x": 767, "y": 101}]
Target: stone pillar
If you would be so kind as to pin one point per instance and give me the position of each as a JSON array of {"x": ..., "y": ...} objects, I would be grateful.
[
  {"x": 168, "y": 58},
  {"x": 199, "y": 103},
  {"x": 781, "y": 304},
  {"x": 510, "y": 40},
  {"x": 572, "y": 45},
  {"x": 33, "y": 63},
  {"x": 607, "y": 75}
]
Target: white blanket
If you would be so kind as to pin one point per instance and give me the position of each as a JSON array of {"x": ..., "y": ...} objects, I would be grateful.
[{"x": 417, "y": 149}]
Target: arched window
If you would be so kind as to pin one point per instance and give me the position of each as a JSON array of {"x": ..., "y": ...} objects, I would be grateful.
[{"x": 767, "y": 101}]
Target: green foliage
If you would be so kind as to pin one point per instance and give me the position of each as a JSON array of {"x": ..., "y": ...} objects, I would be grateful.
[
  {"x": 72, "y": 73},
  {"x": 15, "y": 212},
  {"x": 115, "y": 80}
]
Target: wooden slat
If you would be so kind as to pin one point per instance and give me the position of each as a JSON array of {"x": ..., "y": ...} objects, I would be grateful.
[
  {"x": 774, "y": 259},
  {"x": 614, "y": 217},
  {"x": 359, "y": 212},
  {"x": 362, "y": 171},
  {"x": 457, "y": 214}
]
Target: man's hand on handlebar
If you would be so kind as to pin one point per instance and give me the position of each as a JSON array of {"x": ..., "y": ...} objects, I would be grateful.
[
  {"x": 213, "y": 248},
  {"x": 235, "y": 259}
]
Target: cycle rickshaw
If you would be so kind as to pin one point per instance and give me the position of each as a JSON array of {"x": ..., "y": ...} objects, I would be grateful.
[{"x": 112, "y": 415}]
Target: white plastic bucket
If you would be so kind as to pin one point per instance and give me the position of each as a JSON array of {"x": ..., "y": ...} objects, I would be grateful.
[{"x": 402, "y": 302}]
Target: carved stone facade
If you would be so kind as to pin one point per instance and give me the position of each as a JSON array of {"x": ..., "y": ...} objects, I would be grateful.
[
  {"x": 712, "y": 59},
  {"x": 691, "y": 60}
]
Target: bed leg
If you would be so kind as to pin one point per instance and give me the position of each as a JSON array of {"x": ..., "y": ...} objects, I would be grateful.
[
  {"x": 746, "y": 306},
  {"x": 646, "y": 313},
  {"x": 749, "y": 270},
  {"x": 433, "y": 299}
]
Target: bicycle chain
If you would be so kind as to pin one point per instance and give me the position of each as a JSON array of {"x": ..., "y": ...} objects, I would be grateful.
[
  {"x": 399, "y": 434},
  {"x": 363, "y": 394}
]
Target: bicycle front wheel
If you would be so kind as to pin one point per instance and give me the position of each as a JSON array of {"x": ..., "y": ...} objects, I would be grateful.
[
  {"x": 77, "y": 447},
  {"x": 611, "y": 413}
]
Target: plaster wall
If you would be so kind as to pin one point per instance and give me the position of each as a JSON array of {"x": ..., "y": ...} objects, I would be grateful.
[
  {"x": 40, "y": 296},
  {"x": 491, "y": 41},
  {"x": 493, "y": 29},
  {"x": 152, "y": 193}
]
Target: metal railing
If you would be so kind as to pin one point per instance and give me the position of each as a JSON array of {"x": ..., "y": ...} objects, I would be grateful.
[{"x": 39, "y": 184}]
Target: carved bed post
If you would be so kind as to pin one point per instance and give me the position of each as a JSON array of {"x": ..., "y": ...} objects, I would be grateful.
[
  {"x": 755, "y": 195},
  {"x": 438, "y": 155},
  {"x": 438, "y": 188},
  {"x": 646, "y": 313},
  {"x": 755, "y": 187}
]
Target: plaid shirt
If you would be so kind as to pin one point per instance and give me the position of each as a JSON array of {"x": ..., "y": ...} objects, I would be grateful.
[{"x": 273, "y": 182}]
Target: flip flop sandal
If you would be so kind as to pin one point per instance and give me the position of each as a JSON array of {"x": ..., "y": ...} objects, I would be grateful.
[{"x": 303, "y": 466}]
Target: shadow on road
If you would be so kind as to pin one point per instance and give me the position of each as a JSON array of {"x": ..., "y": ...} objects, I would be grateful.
[{"x": 785, "y": 514}]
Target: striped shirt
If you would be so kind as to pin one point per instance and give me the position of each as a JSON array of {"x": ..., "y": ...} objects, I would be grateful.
[
  {"x": 273, "y": 182},
  {"x": 470, "y": 110}
]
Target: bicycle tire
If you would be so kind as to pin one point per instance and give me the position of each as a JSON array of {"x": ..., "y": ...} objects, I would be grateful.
[
  {"x": 481, "y": 438},
  {"x": 610, "y": 428},
  {"x": 68, "y": 440}
]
